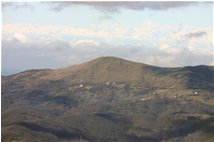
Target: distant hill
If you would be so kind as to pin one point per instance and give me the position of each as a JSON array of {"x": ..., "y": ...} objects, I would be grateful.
[{"x": 109, "y": 99}]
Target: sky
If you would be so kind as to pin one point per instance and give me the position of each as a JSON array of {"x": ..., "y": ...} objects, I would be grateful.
[{"x": 39, "y": 35}]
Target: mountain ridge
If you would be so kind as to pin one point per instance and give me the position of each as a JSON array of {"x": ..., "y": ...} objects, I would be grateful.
[
  {"x": 112, "y": 58},
  {"x": 109, "y": 100},
  {"x": 113, "y": 69}
]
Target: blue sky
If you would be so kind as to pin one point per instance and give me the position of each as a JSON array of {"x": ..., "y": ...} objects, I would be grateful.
[{"x": 58, "y": 34}]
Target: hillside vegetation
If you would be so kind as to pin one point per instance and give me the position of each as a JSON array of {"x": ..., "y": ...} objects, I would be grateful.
[{"x": 109, "y": 100}]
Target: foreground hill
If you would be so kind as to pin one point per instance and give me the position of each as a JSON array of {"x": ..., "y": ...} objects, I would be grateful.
[{"x": 109, "y": 99}]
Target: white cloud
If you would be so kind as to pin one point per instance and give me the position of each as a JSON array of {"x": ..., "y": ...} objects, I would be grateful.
[
  {"x": 21, "y": 37},
  {"x": 145, "y": 31},
  {"x": 211, "y": 63},
  {"x": 164, "y": 47},
  {"x": 169, "y": 49},
  {"x": 148, "y": 31},
  {"x": 198, "y": 50},
  {"x": 84, "y": 43}
]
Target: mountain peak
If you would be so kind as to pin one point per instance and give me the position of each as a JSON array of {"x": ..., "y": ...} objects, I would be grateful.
[
  {"x": 103, "y": 69},
  {"x": 109, "y": 59},
  {"x": 114, "y": 61}
]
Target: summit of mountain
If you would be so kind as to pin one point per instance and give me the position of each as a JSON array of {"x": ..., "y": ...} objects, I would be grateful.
[
  {"x": 103, "y": 69},
  {"x": 113, "y": 69}
]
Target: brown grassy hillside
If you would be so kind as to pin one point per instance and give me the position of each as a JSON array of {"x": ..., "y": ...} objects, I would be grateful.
[{"x": 109, "y": 99}]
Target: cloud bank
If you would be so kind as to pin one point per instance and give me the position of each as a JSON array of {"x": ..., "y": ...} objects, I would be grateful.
[
  {"x": 109, "y": 6},
  {"x": 151, "y": 43}
]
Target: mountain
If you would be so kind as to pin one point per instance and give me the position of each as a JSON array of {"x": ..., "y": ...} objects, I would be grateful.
[{"x": 109, "y": 99}]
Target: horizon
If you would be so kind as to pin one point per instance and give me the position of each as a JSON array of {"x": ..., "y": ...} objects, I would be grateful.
[
  {"x": 16, "y": 72},
  {"x": 37, "y": 35}
]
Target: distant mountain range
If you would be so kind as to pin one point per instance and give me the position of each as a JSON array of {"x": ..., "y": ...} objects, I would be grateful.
[{"x": 109, "y": 100}]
